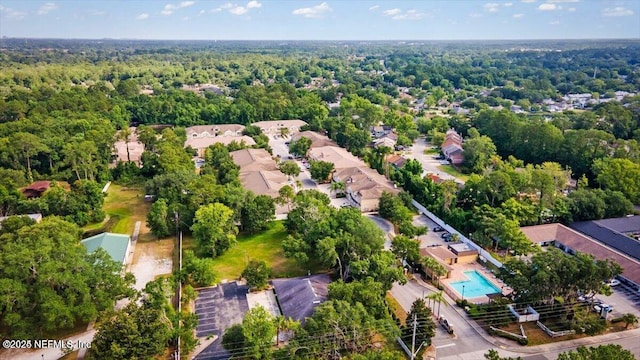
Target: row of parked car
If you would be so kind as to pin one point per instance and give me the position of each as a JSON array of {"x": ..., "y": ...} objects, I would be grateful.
[{"x": 445, "y": 235}]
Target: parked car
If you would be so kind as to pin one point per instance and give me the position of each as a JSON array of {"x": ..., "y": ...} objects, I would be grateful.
[
  {"x": 445, "y": 324},
  {"x": 438, "y": 229},
  {"x": 613, "y": 282},
  {"x": 445, "y": 235}
]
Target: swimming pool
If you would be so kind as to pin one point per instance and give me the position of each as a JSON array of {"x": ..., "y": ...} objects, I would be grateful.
[{"x": 476, "y": 286}]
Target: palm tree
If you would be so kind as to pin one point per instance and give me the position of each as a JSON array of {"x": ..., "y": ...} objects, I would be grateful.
[
  {"x": 282, "y": 324},
  {"x": 437, "y": 297},
  {"x": 337, "y": 186},
  {"x": 435, "y": 268}
]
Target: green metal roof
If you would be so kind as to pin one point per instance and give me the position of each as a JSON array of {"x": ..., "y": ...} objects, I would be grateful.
[{"x": 114, "y": 244}]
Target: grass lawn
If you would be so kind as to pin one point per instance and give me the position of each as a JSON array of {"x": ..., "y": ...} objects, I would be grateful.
[
  {"x": 449, "y": 169},
  {"x": 432, "y": 151},
  {"x": 266, "y": 246},
  {"x": 126, "y": 205},
  {"x": 396, "y": 308}
]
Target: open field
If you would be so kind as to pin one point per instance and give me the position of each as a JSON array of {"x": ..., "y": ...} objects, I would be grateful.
[
  {"x": 123, "y": 206},
  {"x": 266, "y": 246},
  {"x": 449, "y": 169}
]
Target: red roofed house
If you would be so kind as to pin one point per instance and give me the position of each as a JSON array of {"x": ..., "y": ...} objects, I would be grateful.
[{"x": 38, "y": 188}]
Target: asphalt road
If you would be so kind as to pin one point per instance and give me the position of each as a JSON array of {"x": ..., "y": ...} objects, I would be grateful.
[{"x": 429, "y": 164}]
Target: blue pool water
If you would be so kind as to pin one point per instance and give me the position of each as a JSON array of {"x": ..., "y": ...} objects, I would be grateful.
[{"x": 476, "y": 286}]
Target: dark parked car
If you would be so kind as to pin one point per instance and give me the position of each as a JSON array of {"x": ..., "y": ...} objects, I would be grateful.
[
  {"x": 438, "y": 229},
  {"x": 445, "y": 235}
]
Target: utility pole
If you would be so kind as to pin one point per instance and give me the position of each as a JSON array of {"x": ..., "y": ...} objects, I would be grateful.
[{"x": 413, "y": 338}]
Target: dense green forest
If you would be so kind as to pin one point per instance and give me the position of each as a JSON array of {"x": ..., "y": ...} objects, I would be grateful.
[{"x": 64, "y": 103}]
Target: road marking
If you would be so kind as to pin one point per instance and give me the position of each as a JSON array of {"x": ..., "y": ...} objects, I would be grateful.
[{"x": 446, "y": 345}]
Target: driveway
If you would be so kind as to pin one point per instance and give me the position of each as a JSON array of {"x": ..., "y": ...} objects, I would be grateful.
[
  {"x": 386, "y": 226},
  {"x": 219, "y": 308},
  {"x": 429, "y": 163}
]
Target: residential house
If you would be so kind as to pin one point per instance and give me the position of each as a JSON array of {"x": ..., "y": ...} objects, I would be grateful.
[
  {"x": 364, "y": 186},
  {"x": 209, "y": 131},
  {"x": 200, "y": 144},
  {"x": 274, "y": 127},
  {"x": 130, "y": 150},
  {"x": 452, "y": 147},
  {"x": 298, "y": 297},
  {"x": 260, "y": 174},
  {"x": 340, "y": 157},
  {"x": 317, "y": 140},
  {"x": 384, "y": 141},
  {"x": 116, "y": 245},
  {"x": 379, "y": 131},
  {"x": 572, "y": 241},
  {"x": 396, "y": 161},
  {"x": 36, "y": 189}
]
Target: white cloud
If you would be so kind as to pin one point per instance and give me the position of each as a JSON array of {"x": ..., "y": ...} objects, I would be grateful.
[
  {"x": 475, "y": 15},
  {"x": 409, "y": 15},
  {"x": 528, "y": 1},
  {"x": 617, "y": 11},
  {"x": 491, "y": 7},
  {"x": 170, "y": 8},
  {"x": 374, "y": 8},
  {"x": 547, "y": 7},
  {"x": 507, "y": 4},
  {"x": 12, "y": 14},
  {"x": 563, "y": 1},
  {"x": 142, "y": 16},
  {"x": 241, "y": 10},
  {"x": 518, "y": 16},
  {"x": 317, "y": 11},
  {"x": 554, "y": 22},
  {"x": 392, "y": 12},
  {"x": 46, "y": 8},
  {"x": 571, "y": 9},
  {"x": 238, "y": 10},
  {"x": 201, "y": 12}
]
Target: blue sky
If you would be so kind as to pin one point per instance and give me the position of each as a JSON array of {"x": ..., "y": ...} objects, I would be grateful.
[{"x": 321, "y": 20}]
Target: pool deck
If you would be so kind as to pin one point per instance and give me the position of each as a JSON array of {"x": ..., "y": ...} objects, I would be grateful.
[{"x": 457, "y": 274}]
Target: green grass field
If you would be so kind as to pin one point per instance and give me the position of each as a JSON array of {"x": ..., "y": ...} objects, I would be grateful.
[
  {"x": 266, "y": 246},
  {"x": 126, "y": 205},
  {"x": 449, "y": 169}
]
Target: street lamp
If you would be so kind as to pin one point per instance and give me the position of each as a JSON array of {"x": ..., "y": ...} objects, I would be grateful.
[{"x": 462, "y": 293}]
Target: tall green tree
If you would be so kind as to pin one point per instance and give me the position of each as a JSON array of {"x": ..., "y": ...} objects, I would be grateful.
[
  {"x": 214, "y": 229},
  {"x": 321, "y": 170},
  {"x": 50, "y": 282},
  {"x": 135, "y": 332},
  {"x": 257, "y": 274},
  {"x": 420, "y": 316},
  {"x": 609, "y": 351},
  {"x": 159, "y": 220},
  {"x": 257, "y": 212}
]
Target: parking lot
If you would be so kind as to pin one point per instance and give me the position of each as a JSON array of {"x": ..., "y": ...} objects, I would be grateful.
[
  {"x": 219, "y": 308},
  {"x": 624, "y": 300},
  {"x": 431, "y": 238}
]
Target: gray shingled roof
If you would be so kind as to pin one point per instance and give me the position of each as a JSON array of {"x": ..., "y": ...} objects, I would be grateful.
[
  {"x": 623, "y": 225},
  {"x": 605, "y": 235},
  {"x": 299, "y": 296}
]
